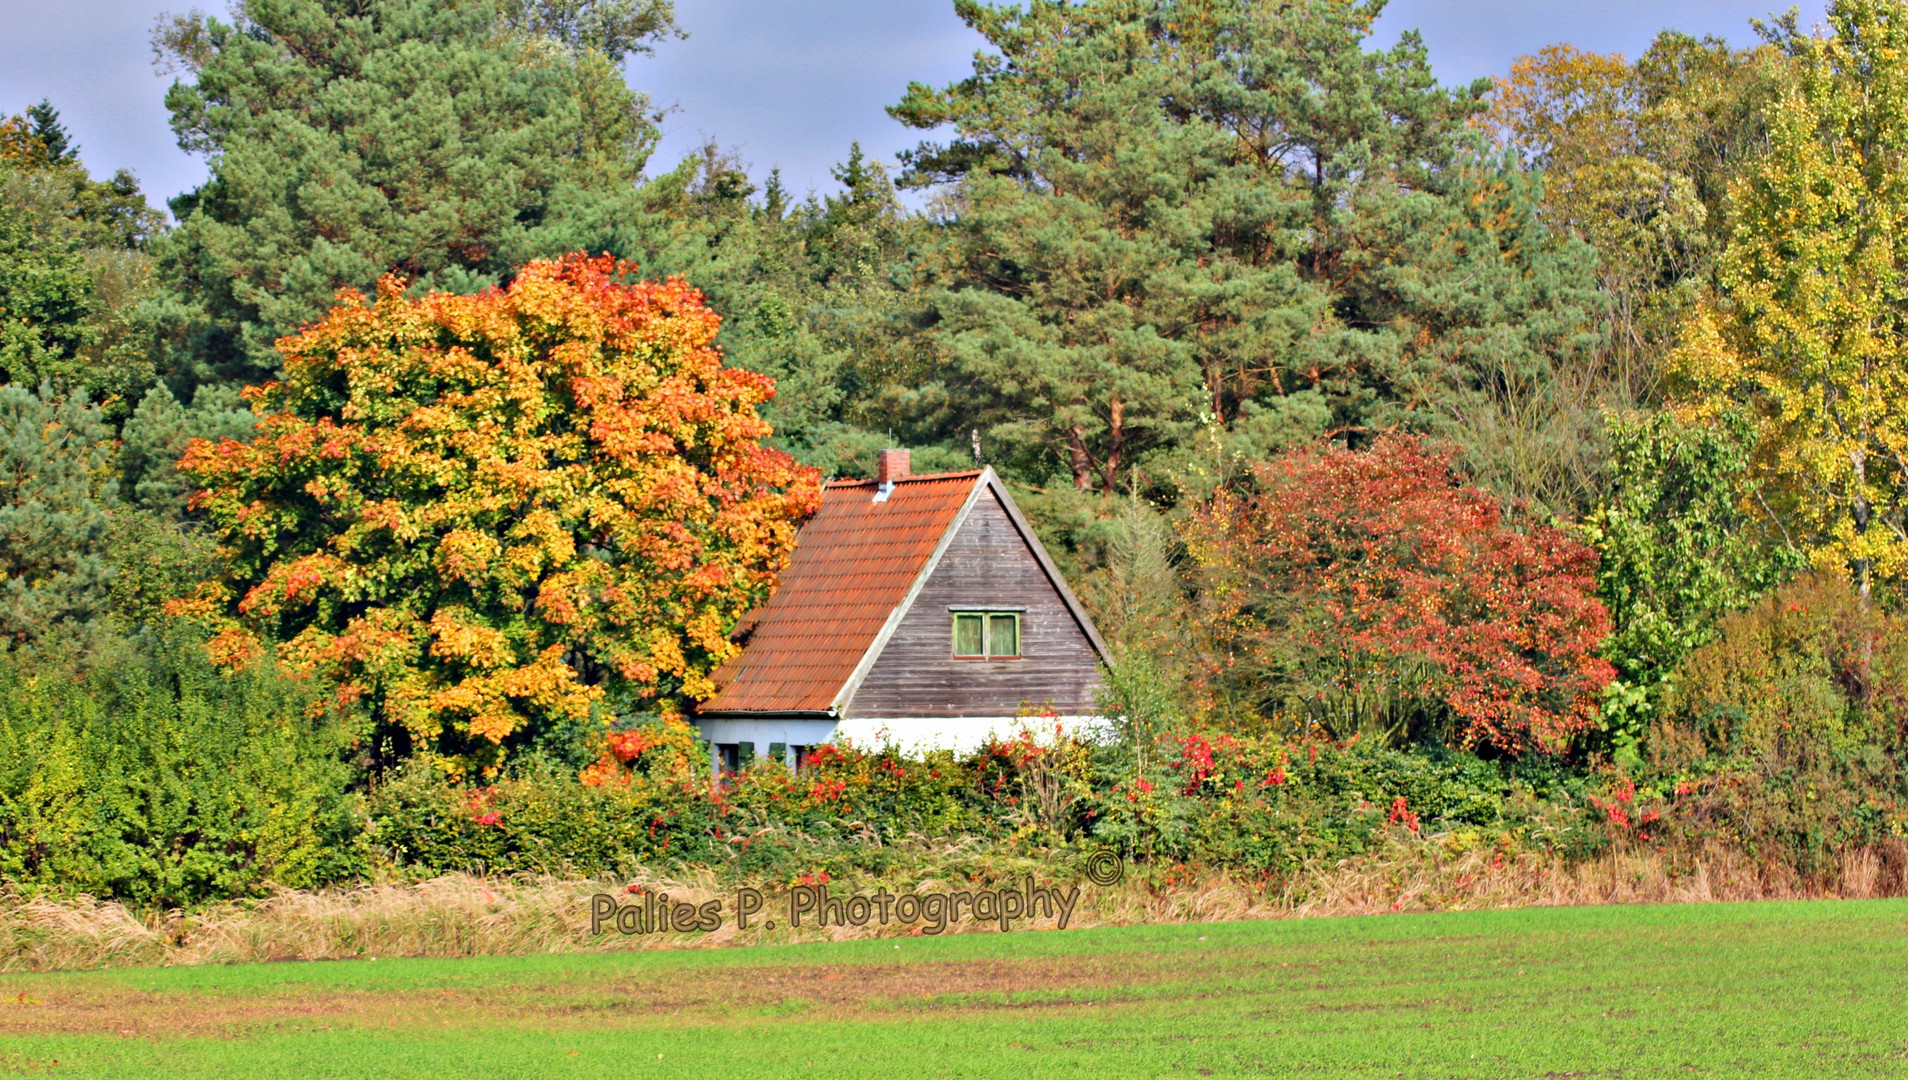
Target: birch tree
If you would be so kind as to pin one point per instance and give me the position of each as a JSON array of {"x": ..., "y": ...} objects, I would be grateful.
[{"x": 1809, "y": 321}]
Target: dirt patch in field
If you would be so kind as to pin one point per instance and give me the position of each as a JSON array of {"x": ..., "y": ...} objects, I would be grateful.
[{"x": 684, "y": 996}]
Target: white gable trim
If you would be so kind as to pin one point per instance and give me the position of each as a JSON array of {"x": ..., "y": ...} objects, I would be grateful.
[{"x": 900, "y": 611}]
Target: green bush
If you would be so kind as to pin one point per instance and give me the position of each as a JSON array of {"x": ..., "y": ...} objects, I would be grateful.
[
  {"x": 1783, "y": 735},
  {"x": 1274, "y": 806},
  {"x": 541, "y": 821},
  {"x": 1677, "y": 550},
  {"x": 144, "y": 773}
]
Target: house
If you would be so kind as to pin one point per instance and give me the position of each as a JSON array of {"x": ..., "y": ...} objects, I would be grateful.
[{"x": 916, "y": 610}]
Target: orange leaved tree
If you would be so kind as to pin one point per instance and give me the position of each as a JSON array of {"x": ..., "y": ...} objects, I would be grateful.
[{"x": 481, "y": 514}]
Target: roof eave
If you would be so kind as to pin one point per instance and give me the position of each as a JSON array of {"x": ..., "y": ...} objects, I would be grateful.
[{"x": 769, "y": 714}]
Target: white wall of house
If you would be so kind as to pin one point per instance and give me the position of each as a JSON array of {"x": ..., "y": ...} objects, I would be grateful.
[{"x": 961, "y": 734}]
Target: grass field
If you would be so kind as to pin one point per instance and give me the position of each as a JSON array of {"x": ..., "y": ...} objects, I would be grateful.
[{"x": 1815, "y": 989}]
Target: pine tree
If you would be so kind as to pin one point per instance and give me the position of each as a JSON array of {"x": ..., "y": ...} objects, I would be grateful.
[
  {"x": 1215, "y": 222},
  {"x": 426, "y": 138},
  {"x": 56, "y": 496}
]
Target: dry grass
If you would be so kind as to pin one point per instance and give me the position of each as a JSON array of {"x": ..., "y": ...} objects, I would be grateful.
[{"x": 462, "y": 915}]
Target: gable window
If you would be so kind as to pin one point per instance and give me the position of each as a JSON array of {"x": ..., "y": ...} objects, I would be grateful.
[{"x": 991, "y": 635}]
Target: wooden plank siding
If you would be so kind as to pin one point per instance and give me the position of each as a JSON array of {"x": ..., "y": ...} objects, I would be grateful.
[{"x": 986, "y": 565}]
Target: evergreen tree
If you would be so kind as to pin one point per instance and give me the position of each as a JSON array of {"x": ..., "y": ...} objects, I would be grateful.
[
  {"x": 613, "y": 28},
  {"x": 55, "y": 142},
  {"x": 56, "y": 496},
  {"x": 351, "y": 138},
  {"x": 154, "y": 439},
  {"x": 1176, "y": 217},
  {"x": 36, "y": 139},
  {"x": 816, "y": 294}
]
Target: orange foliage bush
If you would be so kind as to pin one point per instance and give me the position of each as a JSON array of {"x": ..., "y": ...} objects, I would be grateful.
[
  {"x": 1377, "y": 571},
  {"x": 481, "y": 513}
]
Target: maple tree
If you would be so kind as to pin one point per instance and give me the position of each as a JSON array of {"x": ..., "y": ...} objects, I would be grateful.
[
  {"x": 483, "y": 514},
  {"x": 1344, "y": 572}
]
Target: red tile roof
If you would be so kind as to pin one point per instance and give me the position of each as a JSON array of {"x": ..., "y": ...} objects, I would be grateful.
[{"x": 854, "y": 562}]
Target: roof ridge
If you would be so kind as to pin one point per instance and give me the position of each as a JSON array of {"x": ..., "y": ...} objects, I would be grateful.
[{"x": 849, "y": 481}]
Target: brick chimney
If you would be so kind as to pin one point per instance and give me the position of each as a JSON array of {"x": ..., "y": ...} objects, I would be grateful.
[{"x": 892, "y": 465}]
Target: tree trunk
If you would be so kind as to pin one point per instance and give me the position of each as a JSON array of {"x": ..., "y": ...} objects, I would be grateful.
[
  {"x": 1082, "y": 465},
  {"x": 1859, "y": 459},
  {"x": 1115, "y": 437}
]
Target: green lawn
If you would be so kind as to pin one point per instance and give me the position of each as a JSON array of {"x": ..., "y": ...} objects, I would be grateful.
[{"x": 1796, "y": 989}]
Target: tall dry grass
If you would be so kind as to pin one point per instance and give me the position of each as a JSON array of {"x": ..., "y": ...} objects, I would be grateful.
[{"x": 466, "y": 915}]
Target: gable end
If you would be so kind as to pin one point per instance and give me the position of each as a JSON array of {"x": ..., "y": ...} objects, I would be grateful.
[{"x": 989, "y": 561}]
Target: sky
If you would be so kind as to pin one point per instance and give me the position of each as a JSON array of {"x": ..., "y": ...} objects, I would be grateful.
[{"x": 785, "y": 83}]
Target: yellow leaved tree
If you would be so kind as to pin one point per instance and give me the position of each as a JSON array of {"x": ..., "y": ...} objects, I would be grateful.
[
  {"x": 1808, "y": 326},
  {"x": 480, "y": 515}
]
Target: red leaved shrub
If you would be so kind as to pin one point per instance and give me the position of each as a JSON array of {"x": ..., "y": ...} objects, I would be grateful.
[{"x": 1375, "y": 582}]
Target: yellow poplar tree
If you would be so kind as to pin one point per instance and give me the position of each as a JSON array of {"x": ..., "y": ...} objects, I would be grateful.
[{"x": 1808, "y": 327}]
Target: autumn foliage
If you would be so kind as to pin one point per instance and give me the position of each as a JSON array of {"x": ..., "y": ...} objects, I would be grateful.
[
  {"x": 482, "y": 514},
  {"x": 1346, "y": 573}
]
